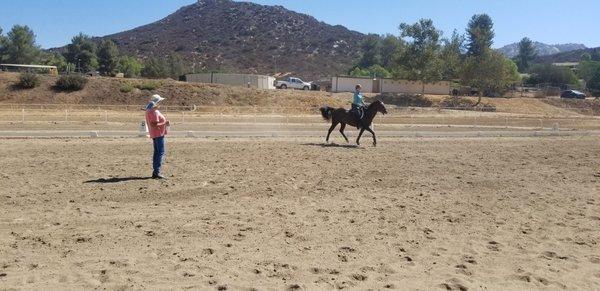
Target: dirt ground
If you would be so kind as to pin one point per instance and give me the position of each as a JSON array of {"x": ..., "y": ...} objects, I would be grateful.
[{"x": 238, "y": 214}]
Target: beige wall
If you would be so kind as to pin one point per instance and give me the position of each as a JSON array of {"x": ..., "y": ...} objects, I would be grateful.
[
  {"x": 414, "y": 87},
  {"x": 256, "y": 81},
  {"x": 348, "y": 84}
]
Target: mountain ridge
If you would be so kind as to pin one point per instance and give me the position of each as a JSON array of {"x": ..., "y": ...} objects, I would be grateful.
[
  {"x": 223, "y": 35},
  {"x": 543, "y": 49}
]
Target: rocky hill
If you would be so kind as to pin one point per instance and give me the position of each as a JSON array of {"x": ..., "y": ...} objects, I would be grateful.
[
  {"x": 571, "y": 56},
  {"x": 512, "y": 50},
  {"x": 245, "y": 37}
]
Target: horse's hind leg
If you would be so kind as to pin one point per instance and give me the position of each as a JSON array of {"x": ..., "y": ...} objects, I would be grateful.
[
  {"x": 342, "y": 131},
  {"x": 333, "y": 125},
  {"x": 373, "y": 133}
]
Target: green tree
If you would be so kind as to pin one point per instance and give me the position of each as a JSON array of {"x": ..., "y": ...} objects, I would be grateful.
[
  {"x": 82, "y": 52},
  {"x": 595, "y": 54},
  {"x": 420, "y": 60},
  {"x": 376, "y": 71},
  {"x": 480, "y": 33},
  {"x": 2, "y": 46},
  {"x": 129, "y": 66},
  {"x": 585, "y": 57},
  {"x": 391, "y": 49},
  {"x": 108, "y": 57},
  {"x": 371, "y": 51},
  {"x": 176, "y": 66},
  {"x": 20, "y": 47},
  {"x": 155, "y": 68},
  {"x": 527, "y": 53},
  {"x": 594, "y": 83},
  {"x": 491, "y": 73},
  {"x": 552, "y": 75},
  {"x": 55, "y": 59},
  {"x": 452, "y": 56},
  {"x": 587, "y": 69}
]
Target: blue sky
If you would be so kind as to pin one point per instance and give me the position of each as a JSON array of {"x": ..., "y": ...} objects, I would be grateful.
[{"x": 549, "y": 21}]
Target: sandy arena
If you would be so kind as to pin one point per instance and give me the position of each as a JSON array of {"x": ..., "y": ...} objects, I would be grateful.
[{"x": 273, "y": 214}]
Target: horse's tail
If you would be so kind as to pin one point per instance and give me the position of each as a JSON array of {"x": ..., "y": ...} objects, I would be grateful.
[{"x": 326, "y": 112}]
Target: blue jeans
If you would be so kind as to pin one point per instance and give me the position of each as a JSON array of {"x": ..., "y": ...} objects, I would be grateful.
[{"x": 159, "y": 152}]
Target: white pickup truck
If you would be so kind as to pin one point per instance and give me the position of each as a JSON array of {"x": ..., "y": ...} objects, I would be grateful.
[{"x": 293, "y": 83}]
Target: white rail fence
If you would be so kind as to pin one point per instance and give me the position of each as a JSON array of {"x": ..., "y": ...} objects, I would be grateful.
[{"x": 63, "y": 113}]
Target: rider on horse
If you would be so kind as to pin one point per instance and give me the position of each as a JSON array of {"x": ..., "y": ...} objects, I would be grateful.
[{"x": 358, "y": 106}]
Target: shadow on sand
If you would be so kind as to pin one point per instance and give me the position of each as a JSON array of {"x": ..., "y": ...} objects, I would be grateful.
[
  {"x": 117, "y": 180},
  {"x": 332, "y": 145}
]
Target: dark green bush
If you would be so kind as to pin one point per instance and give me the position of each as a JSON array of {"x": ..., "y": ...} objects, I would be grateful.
[
  {"x": 403, "y": 100},
  {"x": 150, "y": 85},
  {"x": 71, "y": 83},
  {"x": 460, "y": 103},
  {"x": 28, "y": 81},
  {"x": 126, "y": 88}
]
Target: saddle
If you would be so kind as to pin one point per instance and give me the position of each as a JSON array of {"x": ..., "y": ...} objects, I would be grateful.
[{"x": 358, "y": 112}]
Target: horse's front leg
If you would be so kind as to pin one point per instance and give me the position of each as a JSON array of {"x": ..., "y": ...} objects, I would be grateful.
[
  {"x": 359, "y": 135},
  {"x": 333, "y": 125},
  {"x": 342, "y": 132},
  {"x": 374, "y": 138}
]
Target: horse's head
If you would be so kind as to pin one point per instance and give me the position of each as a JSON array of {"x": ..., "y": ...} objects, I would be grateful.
[{"x": 380, "y": 107}]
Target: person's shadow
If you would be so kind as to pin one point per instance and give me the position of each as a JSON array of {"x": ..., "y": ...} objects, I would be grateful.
[{"x": 116, "y": 180}]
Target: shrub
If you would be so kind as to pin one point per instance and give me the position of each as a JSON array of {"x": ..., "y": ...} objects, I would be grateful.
[
  {"x": 401, "y": 99},
  {"x": 460, "y": 103},
  {"x": 71, "y": 83},
  {"x": 126, "y": 88},
  {"x": 150, "y": 85},
  {"x": 28, "y": 81}
]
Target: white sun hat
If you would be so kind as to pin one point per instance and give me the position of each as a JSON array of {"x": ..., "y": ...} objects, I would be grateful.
[{"x": 156, "y": 98}]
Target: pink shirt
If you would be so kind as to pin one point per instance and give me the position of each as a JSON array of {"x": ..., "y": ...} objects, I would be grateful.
[{"x": 153, "y": 115}]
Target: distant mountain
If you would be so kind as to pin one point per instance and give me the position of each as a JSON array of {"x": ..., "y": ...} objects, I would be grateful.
[
  {"x": 512, "y": 50},
  {"x": 570, "y": 56},
  {"x": 245, "y": 37}
]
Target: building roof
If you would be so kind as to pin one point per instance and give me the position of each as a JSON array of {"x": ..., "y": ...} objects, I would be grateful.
[
  {"x": 566, "y": 64},
  {"x": 28, "y": 66}
]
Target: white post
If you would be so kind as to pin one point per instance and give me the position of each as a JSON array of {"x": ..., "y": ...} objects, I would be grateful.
[
  {"x": 143, "y": 129},
  {"x": 23, "y": 115},
  {"x": 66, "y": 115},
  {"x": 182, "y": 117}
]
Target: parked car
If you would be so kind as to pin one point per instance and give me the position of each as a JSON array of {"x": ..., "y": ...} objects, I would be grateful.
[
  {"x": 572, "y": 94},
  {"x": 293, "y": 83},
  {"x": 92, "y": 74}
]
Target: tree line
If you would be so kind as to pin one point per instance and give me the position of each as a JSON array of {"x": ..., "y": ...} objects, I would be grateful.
[
  {"x": 588, "y": 69},
  {"x": 84, "y": 54},
  {"x": 421, "y": 52}
]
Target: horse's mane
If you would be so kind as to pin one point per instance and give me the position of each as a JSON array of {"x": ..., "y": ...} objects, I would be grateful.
[{"x": 374, "y": 102}]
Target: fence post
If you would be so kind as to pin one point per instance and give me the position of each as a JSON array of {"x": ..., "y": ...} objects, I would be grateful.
[
  {"x": 23, "y": 115},
  {"x": 66, "y": 115},
  {"x": 182, "y": 117}
]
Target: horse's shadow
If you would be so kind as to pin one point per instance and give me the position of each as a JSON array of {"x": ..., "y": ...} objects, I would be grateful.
[
  {"x": 332, "y": 145},
  {"x": 116, "y": 180}
]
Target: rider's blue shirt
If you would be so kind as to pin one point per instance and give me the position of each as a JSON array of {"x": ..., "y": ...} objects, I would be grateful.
[{"x": 358, "y": 99}]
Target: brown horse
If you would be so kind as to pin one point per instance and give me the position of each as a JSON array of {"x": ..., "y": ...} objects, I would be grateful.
[{"x": 344, "y": 117}]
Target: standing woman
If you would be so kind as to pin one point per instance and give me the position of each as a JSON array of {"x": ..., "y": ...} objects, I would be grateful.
[{"x": 157, "y": 127}]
